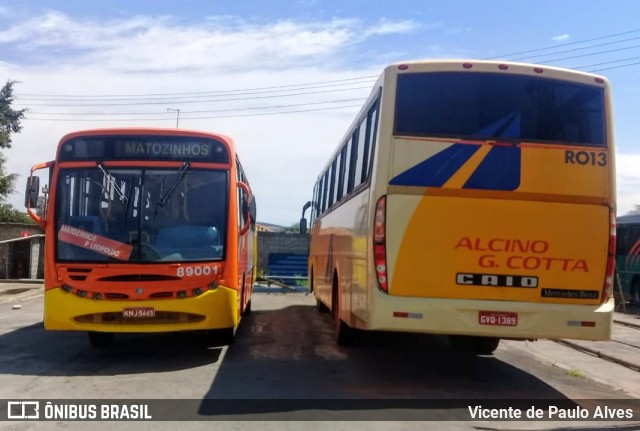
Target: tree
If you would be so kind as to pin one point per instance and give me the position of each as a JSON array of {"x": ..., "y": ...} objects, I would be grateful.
[
  {"x": 9, "y": 124},
  {"x": 295, "y": 228}
]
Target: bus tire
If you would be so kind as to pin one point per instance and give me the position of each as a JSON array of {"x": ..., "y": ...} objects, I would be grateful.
[
  {"x": 100, "y": 340},
  {"x": 474, "y": 344},
  {"x": 345, "y": 335},
  {"x": 247, "y": 308},
  {"x": 321, "y": 307},
  {"x": 487, "y": 345},
  {"x": 218, "y": 337}
]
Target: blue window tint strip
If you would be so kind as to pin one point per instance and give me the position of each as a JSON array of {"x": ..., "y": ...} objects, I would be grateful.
[
  {"x": 500, "y": 170},
  {"x": 436, "y": 170},
  {"x": 508, "y": 127}
]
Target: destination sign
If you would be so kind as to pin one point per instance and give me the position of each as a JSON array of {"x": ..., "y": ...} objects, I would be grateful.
[
  {"x": 141, "y": 147},
  {"x": 163, "y": 149}
]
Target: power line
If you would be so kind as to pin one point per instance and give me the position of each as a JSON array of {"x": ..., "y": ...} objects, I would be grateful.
[
  {"x": 578, "y": 49},
  {"x": 587, "y": 55},
  {"x": 198, "y": 112},
  {"x": 605, "y": 62},
  {"x": 293, "y": 90},
  {"x": 563, "y": 44},
  {"x": 256, "y": 90},
  {"x": 194, "y": 101},
  {"x": 197, "y": 118},
  {"x": 615, "y": 67},
  {"x": 293, "y": 87}
]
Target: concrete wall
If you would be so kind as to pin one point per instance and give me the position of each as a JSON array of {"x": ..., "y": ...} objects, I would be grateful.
[
  {"x": 280, "y": 242},
  {"x": 24, "y": 258}
]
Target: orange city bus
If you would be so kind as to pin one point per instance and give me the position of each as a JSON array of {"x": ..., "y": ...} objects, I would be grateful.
[
  {"x": 146, "y": 230},
  {"x": 474, "y": 199}
]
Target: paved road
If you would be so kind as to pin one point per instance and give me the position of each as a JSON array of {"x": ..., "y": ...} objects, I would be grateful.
[{"x": 285, "y": 352}]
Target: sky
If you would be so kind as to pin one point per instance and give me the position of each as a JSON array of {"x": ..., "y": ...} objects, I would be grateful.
[{"x": 284, "y": 78}]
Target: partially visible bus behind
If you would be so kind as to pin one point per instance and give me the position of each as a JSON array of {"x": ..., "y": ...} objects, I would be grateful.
[
  {"x": 470, "y": 198},
  {"x": 146, "y": 230},
  {"x": 628, "y": 256}
]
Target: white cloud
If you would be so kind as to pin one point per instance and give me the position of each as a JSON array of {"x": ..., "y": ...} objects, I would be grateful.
[
  {"x": 389, "y": 27},
  {"x": 561, "y": 38},
  {"x": 282, "y": 154}
]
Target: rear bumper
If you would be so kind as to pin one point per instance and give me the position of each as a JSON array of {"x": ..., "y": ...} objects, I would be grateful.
[
  {"x": 461, "y": 317},
  {"x": 213, "y": 309}
]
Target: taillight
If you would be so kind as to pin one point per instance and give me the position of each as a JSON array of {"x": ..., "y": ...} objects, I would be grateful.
[
  {"x": 379, "y": 243},
  {"x": 611, "y": 259}
]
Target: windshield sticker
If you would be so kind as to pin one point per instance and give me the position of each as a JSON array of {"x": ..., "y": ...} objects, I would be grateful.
[{"x": 94, "y": 242}]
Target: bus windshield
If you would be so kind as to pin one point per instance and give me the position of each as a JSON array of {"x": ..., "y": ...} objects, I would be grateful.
[
  {"x": 107, "y": 214},
  {"x": 492, "y": 106}
]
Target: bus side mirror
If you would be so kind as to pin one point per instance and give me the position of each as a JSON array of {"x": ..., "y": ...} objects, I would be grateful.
[
  {"x": 247, "y": 199},
  {"x": 32, "y": 192},
  {"x": 303, "y": 221}
]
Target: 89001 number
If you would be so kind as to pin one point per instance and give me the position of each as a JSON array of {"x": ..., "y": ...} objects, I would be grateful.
[{"x": 190, "y": 271}]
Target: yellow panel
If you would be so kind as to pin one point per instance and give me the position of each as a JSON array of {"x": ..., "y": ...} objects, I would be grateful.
[{"x": 563, "y": 246}]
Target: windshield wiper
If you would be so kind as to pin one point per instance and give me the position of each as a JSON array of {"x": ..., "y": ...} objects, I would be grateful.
[
  {"x": 112, "y": 181},
  {"x": 164, "y": 198}
]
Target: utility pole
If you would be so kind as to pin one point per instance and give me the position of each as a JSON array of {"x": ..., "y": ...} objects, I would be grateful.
[{"x": 177, "y": 111}]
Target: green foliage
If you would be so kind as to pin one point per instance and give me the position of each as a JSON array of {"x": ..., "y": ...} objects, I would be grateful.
[
  {"x": 8, "y": 214},
  {"x": 294, "y": 228},
  {"x": 9, "y": 124},
  {"x": 9, "y": 118}
]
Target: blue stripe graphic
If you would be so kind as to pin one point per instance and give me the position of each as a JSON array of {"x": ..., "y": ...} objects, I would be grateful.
[
  {"x": 500, "y": 170},
  {"x": 436, "y": 170}
]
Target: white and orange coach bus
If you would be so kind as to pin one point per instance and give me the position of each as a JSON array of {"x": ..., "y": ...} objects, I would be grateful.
[
  {"x": 474, "y": 199},
  {"x": 146, "y": 230}
]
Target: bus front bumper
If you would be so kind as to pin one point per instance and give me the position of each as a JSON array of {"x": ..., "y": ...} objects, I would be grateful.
[{"x": 214, "y": 309}]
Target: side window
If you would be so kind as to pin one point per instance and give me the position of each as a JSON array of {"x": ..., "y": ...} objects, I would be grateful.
[
  {"x": 325, "y": 183},
  {"x": 371, "y": 140},
  {"x": 347, "y": 167},
  {"x": 362, "y": 134},
  {"x": 340, "y": 184},
  {"x": 332, "y": 183},
  {"x": 314, "y": 203},
  {"x": 242, "y": 199},
  {"x": 353, "y": 158}
]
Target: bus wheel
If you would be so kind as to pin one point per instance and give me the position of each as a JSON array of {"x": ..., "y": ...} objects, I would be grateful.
[
  {"x": 479, "y": 345},
  {"x": 487, "y": 345},
  {"x": 218, "y": 337},
  {"x": 100, "y": 340},
  {"x": 345, "y": 335},
  {"x": 321, "y": 307},
  {"x": 247, "y": 308}
]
